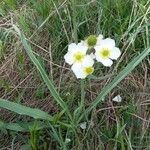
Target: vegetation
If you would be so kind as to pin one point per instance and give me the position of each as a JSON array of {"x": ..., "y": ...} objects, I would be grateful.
[{"x": 42, "y": 104}]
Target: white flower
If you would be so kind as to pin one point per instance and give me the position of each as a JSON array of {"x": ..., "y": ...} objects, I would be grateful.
[
  {"x": 106, "y": 51},
  {"x": 92, "y": 41},
  {"x": 76, "y": 53},
  {"x": 82, "y": 70}
]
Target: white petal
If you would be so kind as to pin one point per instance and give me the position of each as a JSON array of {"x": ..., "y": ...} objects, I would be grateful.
[
  {"x": 92, "y": 55},
  {"x": 108, "y": 42},
  {"x": 99, "y": 39},
  {"x": 67, "y": 140},
  {"x": 100, "y": 36},
  {"x": 78, "y": 70},
  {"x": 83, "y": 43},
  {"x": 83, "y": 125},
  {"x": 117, "y": 98},
  {"x": 77, "y": 47},
  {"x": 72, "y": 47},
  {"x": 82, "y": 47},
  {"x": 106, "y": 62},
  {"x": 75, "y": 67},
  {"x": 69, "y": 58},
  {"x": 98, "y": 47},
  {"x": 88, "y": 61},
  {"x": 115, "y": 53}
]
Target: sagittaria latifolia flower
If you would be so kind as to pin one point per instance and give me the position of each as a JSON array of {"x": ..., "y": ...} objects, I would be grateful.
[
  {"x": 82, "y": 70},
  {"x": 76, "y": 53},
  {"x": 81, "y": 56},
  {"x": 106, "y": 52},
  {"x": 92, "y": 40},
  {"x": 82, "y": 64}
]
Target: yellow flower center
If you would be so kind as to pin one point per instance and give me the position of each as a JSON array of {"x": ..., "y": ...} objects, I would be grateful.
[
  {"x": 105, "y": 53},
  {"x": 88, "y": 70},
  {"x": 78, "y": 57}
]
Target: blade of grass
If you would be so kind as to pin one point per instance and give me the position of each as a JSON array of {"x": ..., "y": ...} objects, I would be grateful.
[
  {"x": 12, "y": 126},
  {"x": 23, "y": 126},
  {"x": 23, "y": 110},
  {"x": 46, "y": 79},
  {"x": 117, "y": 80}
]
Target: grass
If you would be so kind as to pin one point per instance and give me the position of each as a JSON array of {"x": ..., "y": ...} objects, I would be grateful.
[{"x": 46, "y": 103}]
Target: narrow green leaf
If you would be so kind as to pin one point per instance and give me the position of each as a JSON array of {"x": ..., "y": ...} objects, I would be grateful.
[
  {"x": 23, "y": 126},
  {"x": 14, "y": 127},
  {"x": 119, "y": 78},
  {"x": 46, "y": 79},
  {"x": 23, "y": 110}
]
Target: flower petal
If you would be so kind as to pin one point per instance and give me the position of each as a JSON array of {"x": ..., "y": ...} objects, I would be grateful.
[
  {"x": 83, "y": 125},
  {"x": 88, "y": 61},
  {"x": 97, "y": 48},
  {"x": 117, "y": 98},
  {"x": 99, "y": 39},
  {"x": 78, "y": 71},
  {"x": 115, "y": 53},
  {"x": 72, "y": 47},
  {"x": 106, "y": 62},
  {"x": 82, "y": 47},
  {"x": 92, "y": 55},
  {"x": 69, "y": 58},
  {"x": 83, "y": 43},
  {"x": 108, "y": 42}
]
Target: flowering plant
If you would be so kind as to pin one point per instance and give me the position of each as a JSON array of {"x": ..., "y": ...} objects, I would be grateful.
[{"x": 82, "y": 56}]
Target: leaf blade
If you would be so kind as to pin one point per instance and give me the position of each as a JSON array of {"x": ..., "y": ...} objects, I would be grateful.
[
  {"x": 42, "y": 72},
  {"x": 23, "y": 110},
  {"x": 119, "y": 78}
]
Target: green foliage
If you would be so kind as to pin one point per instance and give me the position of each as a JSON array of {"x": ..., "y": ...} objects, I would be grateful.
[
  {"x": 24, "y": 24},
  {"x": 42, "y": 7}
]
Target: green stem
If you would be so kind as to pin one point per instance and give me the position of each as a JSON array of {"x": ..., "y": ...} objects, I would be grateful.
[
  {"x": 82, "y": 104},
  {"x": 82, "y": 92}
]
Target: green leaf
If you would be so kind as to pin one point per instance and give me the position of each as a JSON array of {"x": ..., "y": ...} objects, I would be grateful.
[
  {"x": 39, "y": 67},
  {"x": 14, "y": 127},
  {"x": 24, "y": 126},
  {"x": 23, "y": 110},
  {"x": 119, "y": 78}
]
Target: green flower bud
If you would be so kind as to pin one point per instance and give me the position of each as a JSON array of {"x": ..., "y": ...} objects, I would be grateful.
[{"x": 92, "y": 40}]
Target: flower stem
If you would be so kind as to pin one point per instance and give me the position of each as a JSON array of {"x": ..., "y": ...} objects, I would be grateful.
[
  {"x": 82, "y": 92},
  {"x": 82, "y": 104}
]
